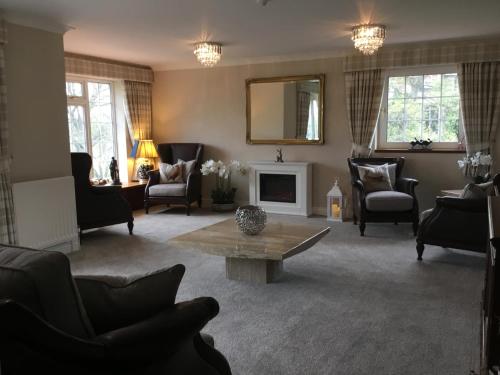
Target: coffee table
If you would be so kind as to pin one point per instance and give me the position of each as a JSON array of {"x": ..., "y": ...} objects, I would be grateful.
[{"x": 253, "y": 258}]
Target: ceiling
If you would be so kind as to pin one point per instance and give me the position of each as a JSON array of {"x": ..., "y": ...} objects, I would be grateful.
[{"x": 160, "y": 33}]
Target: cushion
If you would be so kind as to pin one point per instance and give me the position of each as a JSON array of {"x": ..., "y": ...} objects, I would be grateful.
[
  {"x": 392, "y": 171},
  {"x": 171, "y": 174},
  {"x": 42, "y": 282},
  {"x": 375, "y": 178},
  {"x": 477, "y": 191},
  {"x": 168, "y": 190},
  {"x": 393, "y": 201},
  {"x": 188, "y": 167}
]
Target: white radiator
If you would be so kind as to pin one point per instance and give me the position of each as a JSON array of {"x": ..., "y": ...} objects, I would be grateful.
[{"x": 46, "y": 214}]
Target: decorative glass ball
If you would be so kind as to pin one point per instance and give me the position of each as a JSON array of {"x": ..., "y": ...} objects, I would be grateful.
[{"x": 251, "y": 219}]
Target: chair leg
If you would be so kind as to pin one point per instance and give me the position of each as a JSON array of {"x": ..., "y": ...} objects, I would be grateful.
[
  {"x": 354, "y": 219},
  {"x": 130, "y": 226},
  {"x": 420, "y": 249},
  {"x": 146, "y": 207},
  {"x": 362, "y": 226},
  {"x": 188, "y": 209},
  {"x": 199, "y": 202}
]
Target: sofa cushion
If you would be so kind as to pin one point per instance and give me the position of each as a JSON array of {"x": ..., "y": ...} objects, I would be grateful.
[
  {"x": 171, "y": 174},
  {"x": 391, "y": 168},
  {"x": 42, "y": 282},
  {"x": 375, "y": 178},
  {"x": 381, "y": 201},
  {"x": 167, "y": 190},
  {"x": 187, "y": 168}
]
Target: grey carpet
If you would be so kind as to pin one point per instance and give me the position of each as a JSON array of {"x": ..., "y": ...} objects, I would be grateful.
[{"x": 349, "y": 305}]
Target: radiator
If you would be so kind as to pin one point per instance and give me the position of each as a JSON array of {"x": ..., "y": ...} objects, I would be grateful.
[{"x": 46, "y": 214}]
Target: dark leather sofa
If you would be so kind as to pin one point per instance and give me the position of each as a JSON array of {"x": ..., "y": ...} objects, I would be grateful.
[
  {"x": 52, "y": 323},
  {"x": 185, "y": 193},
  {"x": 390, "y": 208},
  {"x": 97, "y": 206}
]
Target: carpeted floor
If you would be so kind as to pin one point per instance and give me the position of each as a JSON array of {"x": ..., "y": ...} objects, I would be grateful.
[{"x": 349, "y": 305}]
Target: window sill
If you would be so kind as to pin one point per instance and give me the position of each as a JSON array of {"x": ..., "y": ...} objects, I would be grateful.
[{"x": 420, "y": 151}]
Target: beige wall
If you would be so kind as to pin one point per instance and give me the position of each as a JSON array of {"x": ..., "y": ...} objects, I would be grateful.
[
  {"x": 208, "y": 105},
  {"x": 36, "y": 104}
]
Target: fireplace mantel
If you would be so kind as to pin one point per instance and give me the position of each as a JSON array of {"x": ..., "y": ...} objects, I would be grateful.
[{"x": 261, "y": 176}]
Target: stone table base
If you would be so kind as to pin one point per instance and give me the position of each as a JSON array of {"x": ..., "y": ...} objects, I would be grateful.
[{"x": 261, "y": 271}]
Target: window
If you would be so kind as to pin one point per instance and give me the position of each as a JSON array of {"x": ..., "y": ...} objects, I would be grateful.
[
  {"x": 91, "y": 121},
  {"x": 422, "y": 104}
]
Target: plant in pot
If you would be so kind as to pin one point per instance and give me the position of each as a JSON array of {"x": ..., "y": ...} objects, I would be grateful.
[{"x": 223, "y": 193}]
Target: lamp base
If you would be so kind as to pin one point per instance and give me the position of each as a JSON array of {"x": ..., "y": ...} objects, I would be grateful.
[{"x": 142, "y": 171}]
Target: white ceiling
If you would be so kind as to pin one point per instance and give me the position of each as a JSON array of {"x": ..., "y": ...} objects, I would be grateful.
[{"x": 160, "y": 33}]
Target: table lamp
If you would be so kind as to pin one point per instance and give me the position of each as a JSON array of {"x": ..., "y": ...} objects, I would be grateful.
[{"x": 144, "y": 150}]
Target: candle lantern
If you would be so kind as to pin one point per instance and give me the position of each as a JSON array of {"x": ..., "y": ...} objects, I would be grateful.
[{"x": 334, "y": 203}]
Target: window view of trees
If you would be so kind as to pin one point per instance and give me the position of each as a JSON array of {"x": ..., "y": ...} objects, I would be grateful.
[
  {"x": 90, "y": 121},
  {"x": 423, "y": 106}
]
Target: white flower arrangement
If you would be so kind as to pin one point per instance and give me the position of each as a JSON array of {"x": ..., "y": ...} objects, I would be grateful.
[
  {"x": 477, "y": 165},
  {"x": 223, "y": 192}
]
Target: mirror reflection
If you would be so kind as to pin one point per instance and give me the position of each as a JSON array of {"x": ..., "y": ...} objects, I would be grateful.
[{"x": 285, "y": 110}]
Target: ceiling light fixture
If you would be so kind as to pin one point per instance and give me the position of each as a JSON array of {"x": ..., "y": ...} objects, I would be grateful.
[
  {"x": 208, "y": 53},
  {"x": 368, "y": 38}
]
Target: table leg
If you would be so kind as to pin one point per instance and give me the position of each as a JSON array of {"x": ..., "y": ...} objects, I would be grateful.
[{"x": 253, "y": 270}]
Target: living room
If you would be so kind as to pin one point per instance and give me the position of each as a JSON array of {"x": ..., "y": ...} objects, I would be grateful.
[{"x": 311, "y": 264}]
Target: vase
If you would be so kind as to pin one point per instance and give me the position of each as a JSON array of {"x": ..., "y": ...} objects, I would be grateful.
[
  {"x": 222, "y": 207},
  {"x": 251, "y": 219}
]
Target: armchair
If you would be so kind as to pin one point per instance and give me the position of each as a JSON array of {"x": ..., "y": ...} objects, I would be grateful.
[
  {"x": 179, "y": 193},
  {"x": 97, "y": 206},
  {"x": 459, "y": 223},
  {"x": 398, "y": 205},
  {"x": 56, "y": 324}
]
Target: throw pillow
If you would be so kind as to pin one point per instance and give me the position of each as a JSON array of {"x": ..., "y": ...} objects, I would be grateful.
[
  {"x": 375, "y": 178},
  {"x": 475, "y": 191},
  {"x": 188, "y": 167},
  {"x": 392, "y": 171},
  {"x": 171, "y": 174}
]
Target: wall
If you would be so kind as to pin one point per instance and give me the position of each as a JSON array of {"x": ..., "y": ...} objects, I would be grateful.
[
  {"x": 36, "y": 104},
  {"x": 208, "y": 106}
]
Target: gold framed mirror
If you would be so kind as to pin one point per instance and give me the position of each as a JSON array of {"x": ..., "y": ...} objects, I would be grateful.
[{"x": 286, "y": 110}]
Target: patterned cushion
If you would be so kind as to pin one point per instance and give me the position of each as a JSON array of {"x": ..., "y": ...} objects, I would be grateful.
[
  {"x": 375, "y": 178},
  {"x": 392, "y": 201},
  {"x": 188, "y": 167},
  {"x": 168, "y": 190},
  {"x": 477, "y": 191},
  {"x": 171, "y": 174},
  {"x": 392, "y": 171}
]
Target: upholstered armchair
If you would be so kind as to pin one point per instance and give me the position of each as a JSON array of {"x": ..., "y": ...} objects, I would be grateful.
[
  {"x": 387, "y": 206},
  {"x": 52, "y": 323},
  {"x": 97, "y": 206},
  {"x": 183, "y": 193},
  {"x": 458, "y": 223}
]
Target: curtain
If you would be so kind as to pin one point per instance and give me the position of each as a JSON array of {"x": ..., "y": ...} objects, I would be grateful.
[
  {"x": 363, "y": 98},
  {"x": 479, "y": 85},
  {"x": 7, "y": 223},
  {"x": 303, "y": 104},
  {"x": 138, "y": 109}
]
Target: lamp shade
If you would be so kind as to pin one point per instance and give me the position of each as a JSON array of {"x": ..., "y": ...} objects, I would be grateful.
[{"x": 146, "y": 149}]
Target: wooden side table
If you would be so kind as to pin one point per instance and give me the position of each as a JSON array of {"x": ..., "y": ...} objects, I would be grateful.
[{"x": 133, "y": 192}]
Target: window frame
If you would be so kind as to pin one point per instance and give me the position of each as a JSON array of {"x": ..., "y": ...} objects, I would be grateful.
[
  {"x": 84, "y": 102},
  {"x": 381, "y": 131}
]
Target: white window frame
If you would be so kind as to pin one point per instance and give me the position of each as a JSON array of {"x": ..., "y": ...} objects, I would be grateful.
[
  {"x": 381, "y": 133},
  {"x": 84, "y": 102}
]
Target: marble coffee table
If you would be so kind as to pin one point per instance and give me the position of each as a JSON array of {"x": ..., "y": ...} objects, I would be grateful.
[{"x": 253, "y": 258}]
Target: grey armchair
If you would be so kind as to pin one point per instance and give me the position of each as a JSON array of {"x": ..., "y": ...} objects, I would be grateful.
[
  {"x": 52, "y": 323},
  {"x": 397, "y": 206},
  {"x": 181, "y": 193}
]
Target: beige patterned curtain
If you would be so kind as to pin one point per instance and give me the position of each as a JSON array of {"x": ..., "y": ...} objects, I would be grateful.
[
  {"x": 363, "y": 97},
  {"x": 303, "y": 104},
  {"x": 139, "y": 114},
  {"x": 480, "y": 102},
  {"x": 7, "y": 223}
]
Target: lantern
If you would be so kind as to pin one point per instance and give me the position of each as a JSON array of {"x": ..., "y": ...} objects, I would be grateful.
[{"x": 334, "y": 203}]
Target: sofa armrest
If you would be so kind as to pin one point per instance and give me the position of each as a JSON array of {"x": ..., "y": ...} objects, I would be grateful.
[
  {"x": 406, "y": 185},
  {"x": 113, "y": 302},
  {"x": 154, "y": 179},
  {"x": 193, "y": 186},
  {"x": 163, "y": 333},
  {"x": 104, "y": 190},
  {"x": 470, "y": 205}
]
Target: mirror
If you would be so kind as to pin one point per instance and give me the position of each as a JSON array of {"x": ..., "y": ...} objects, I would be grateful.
[{"x": 285, "y": 110}]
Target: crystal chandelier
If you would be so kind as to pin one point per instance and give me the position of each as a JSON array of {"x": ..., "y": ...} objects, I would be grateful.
[
  {"x": 208, "y": 53},
  {"x": 368, "y": 38}
]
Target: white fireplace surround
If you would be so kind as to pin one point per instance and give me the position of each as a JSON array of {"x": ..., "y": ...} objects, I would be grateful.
[{"x": 303, "y": 186}]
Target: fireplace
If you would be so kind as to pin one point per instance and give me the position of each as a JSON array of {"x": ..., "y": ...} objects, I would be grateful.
[
  {"x": 281, "y": 188},
  {"x": 278, "y": 188}
]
